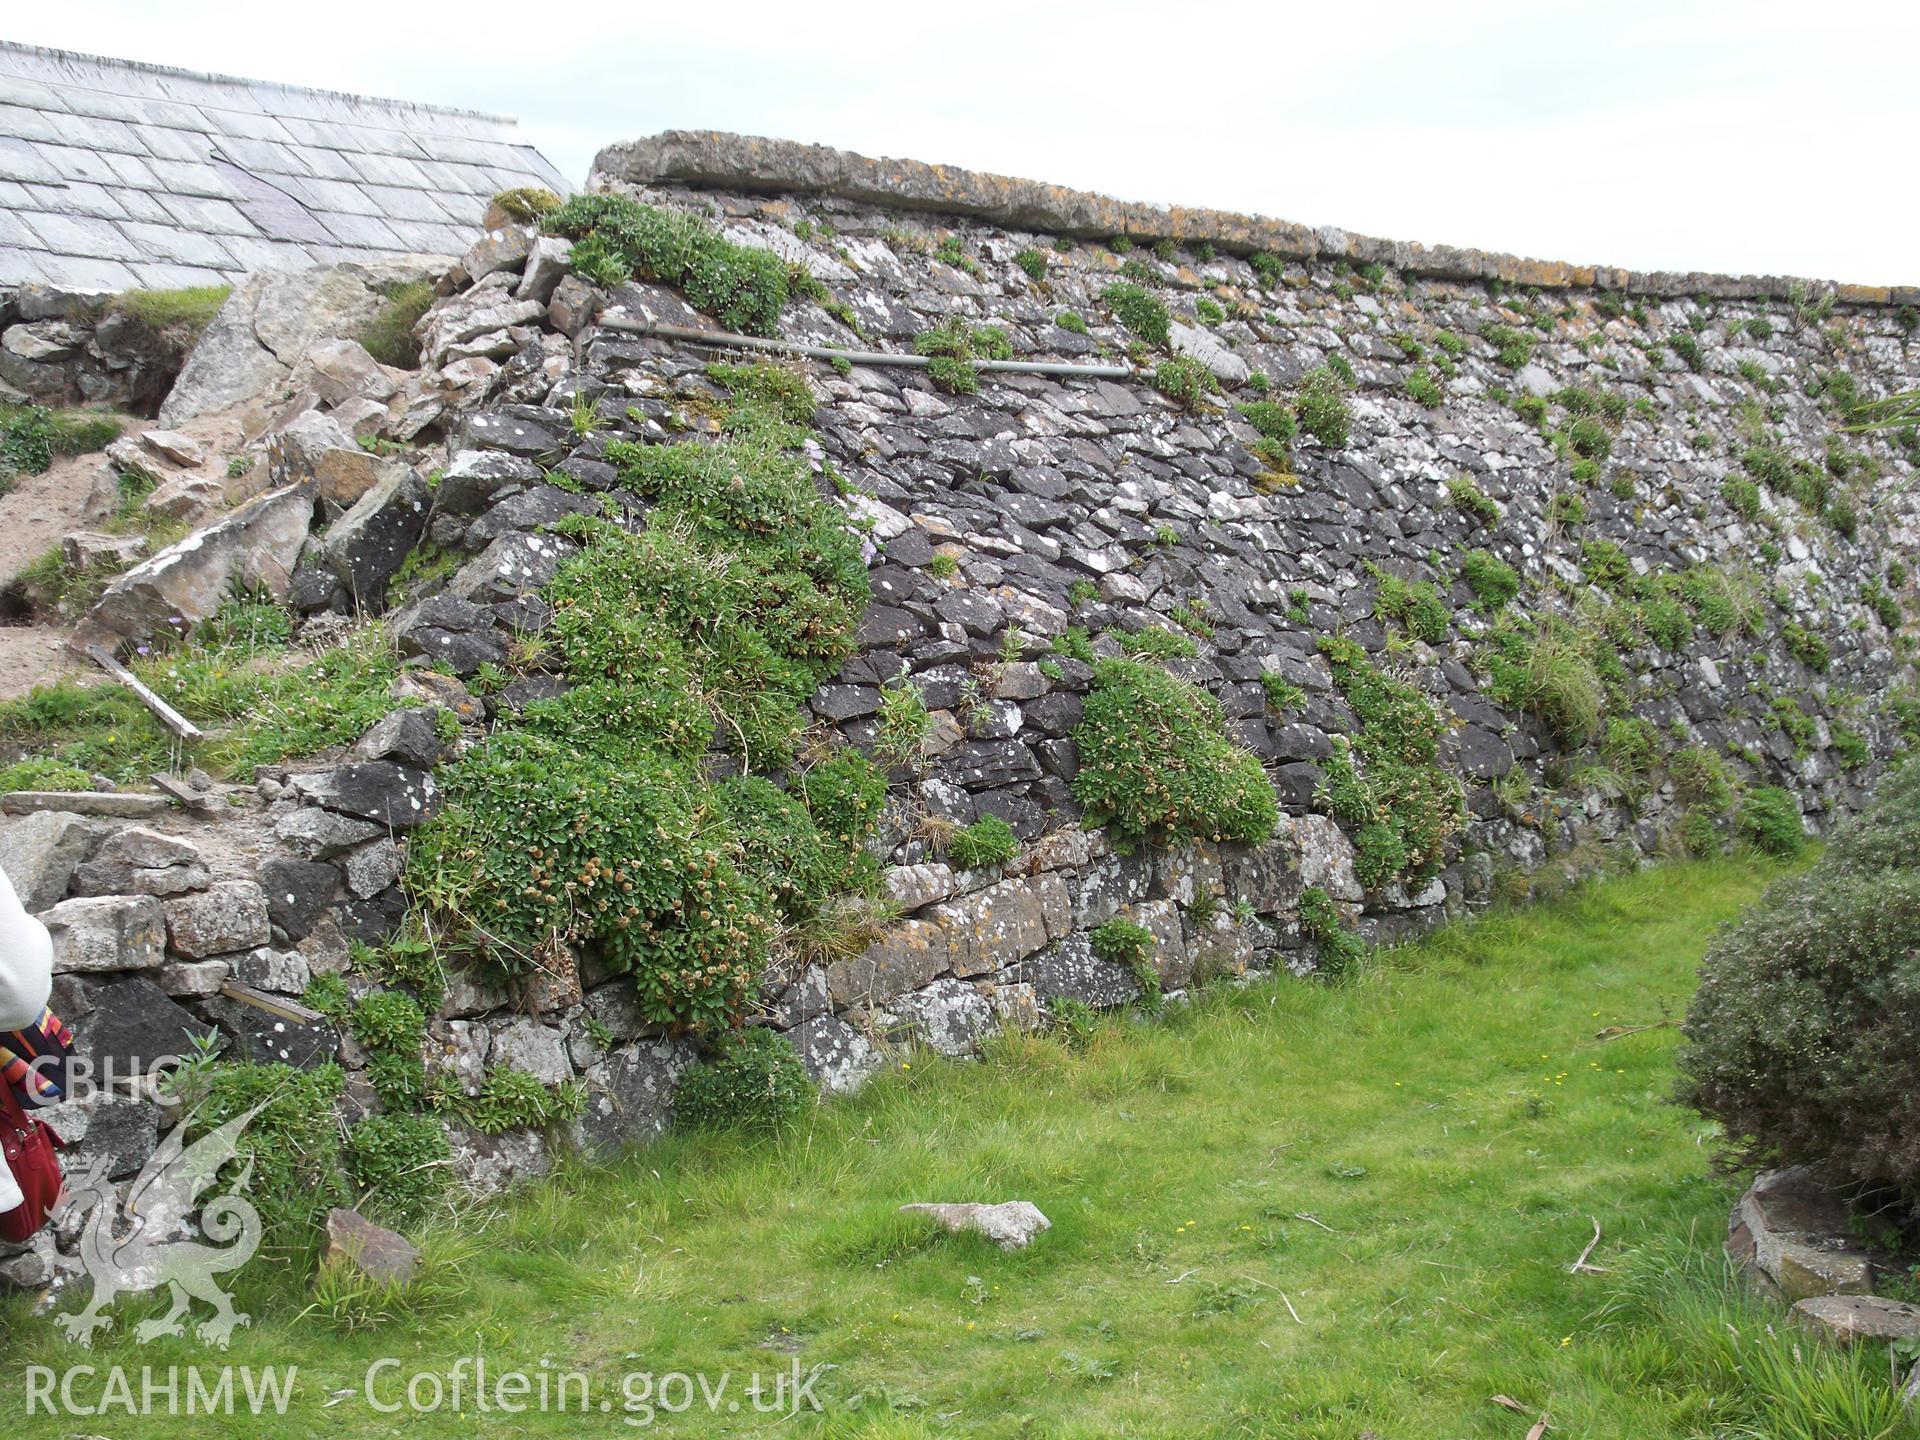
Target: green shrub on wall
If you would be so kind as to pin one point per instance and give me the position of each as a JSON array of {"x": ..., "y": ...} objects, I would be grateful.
[
  {"x": 989, "y": 841},
  {"x": 616, "y": 239},
  {"x": 1386, "y": 782},
  {"x": 751, "y": 1080},
  {"x": 1142, "y": 313},
  {"x": 1157, "y": 764},
  {"x": 1338, "y": 948},
  {"x": 1804, "y": 1036},
  {"x": 1123, "y": 942},
  {"x": 1320, "y": 405},
  {"x": 592, "y": 824},
  {"x": 1770, "y": 819}
]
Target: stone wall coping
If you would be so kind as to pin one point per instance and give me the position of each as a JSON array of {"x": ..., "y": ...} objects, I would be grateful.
[{"x": 719, "y": 160}]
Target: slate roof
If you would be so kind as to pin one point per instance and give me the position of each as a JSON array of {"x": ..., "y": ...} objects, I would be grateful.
[{"x": 116, "y": 175}]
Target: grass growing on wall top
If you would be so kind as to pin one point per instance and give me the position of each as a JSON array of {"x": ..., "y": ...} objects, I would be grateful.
[
  {"x": 1409, "y": 1161},
  {"x": 192, "y": 305}
]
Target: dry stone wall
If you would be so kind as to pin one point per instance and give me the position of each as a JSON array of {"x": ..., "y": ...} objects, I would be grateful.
[
  {"x": 1016, "y": 531},
  {"x": 59, "y": 347}
]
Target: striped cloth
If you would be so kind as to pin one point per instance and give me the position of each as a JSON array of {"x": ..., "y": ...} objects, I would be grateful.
[{"x": 49, "y": 1041}]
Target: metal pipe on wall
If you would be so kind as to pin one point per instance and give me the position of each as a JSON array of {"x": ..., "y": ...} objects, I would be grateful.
[{"x": 720, "y": 339}]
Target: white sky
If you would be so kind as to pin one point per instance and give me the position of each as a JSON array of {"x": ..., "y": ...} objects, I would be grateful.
[{"x": 1765, "y": 136}]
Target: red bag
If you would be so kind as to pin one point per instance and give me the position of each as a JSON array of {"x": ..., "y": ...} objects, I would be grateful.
[{"x": 29, "y": 1148}]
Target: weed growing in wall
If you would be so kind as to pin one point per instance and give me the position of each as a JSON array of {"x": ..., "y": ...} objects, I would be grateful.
[
  {"x": 1185, "y": 381},
  {"x": 1492, "y": 580},
  {"x": 1122, "y": 942},
  {"x": 989, "y": 841},
  {"x": 750, "y": 1080},
  {"x": 1157, "y": 764},
  {"x": 905, "y": 723},
  {"x": 292, "y": 1144},
  {"x": 779, "y": 388},
  {"x": 594, "y": 825},
  {"x": 616, "y": 239},
  {"x": 1339, "y": 949},
  {"x": 1547, "y": 669},
  {"x": 1320, "y": 405},
  {"x": 1156, "y": 642},
  {"x": 953, "y": 351},
  {"x": 1471, "y": 501},
  {"x": 1143, "y": 314},
  {"x": 1512, "y": 348},
  {"x": 398, "y": 1165},
  {"x": 1415, "y": 604},
  {"x": 1386, "y": 782}
]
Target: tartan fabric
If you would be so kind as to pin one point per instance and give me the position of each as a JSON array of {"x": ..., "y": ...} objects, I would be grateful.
[{"x": 47, "y": 1040}]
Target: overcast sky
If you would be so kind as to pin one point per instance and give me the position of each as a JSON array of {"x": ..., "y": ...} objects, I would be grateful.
[{"x": 1751, "y": 136}]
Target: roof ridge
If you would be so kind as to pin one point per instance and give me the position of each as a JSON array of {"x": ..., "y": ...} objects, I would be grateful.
[{"x": 218, "y": 78}]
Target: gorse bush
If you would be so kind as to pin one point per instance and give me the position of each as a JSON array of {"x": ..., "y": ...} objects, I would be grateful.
[
  {"x": 751, "y": 1080},
  {"x": 616, "y": 239},
  {"x": 1156, "y": 762},
  {"x": 1804, "y": 1036}
]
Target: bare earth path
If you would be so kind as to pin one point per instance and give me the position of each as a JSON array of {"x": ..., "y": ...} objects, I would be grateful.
[{"x": 38, "y": 512}]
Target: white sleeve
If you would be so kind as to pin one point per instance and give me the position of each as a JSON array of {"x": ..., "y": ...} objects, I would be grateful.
[
  {"x": 10, "y": 1196},
  {"x": 26, "y": 964}
]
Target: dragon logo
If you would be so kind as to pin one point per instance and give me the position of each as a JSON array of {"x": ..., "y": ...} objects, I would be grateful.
[{"x": 147, "y": 1241}]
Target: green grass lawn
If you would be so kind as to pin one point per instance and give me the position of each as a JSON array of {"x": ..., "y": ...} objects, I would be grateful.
[{"x": 1288, "y": 1210}]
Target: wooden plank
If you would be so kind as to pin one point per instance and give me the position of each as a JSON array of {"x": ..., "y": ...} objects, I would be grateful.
[
  {"x": 277, "y": 1006},
  {"x": 198, "y": 801},
  {"x": 162, "y": 711}
]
